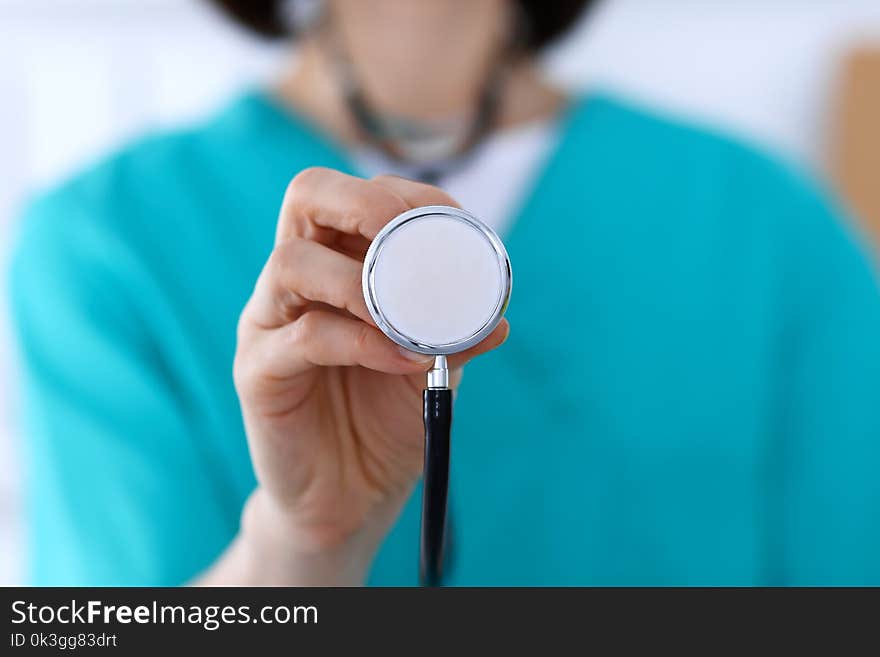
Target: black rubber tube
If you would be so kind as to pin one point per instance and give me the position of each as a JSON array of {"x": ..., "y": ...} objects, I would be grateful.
[{"x": 438, "y": 426}]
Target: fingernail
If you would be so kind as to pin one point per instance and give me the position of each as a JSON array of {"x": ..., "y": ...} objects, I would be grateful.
[{"x": 413, "y": 356}]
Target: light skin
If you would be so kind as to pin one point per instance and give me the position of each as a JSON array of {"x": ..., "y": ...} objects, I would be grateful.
[{"x": 332, "y": 407}]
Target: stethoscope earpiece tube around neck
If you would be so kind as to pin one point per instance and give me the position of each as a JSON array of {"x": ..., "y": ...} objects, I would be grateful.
[
  {"x": 437, "y": 408},
  {"x": 436, "y": 281}
]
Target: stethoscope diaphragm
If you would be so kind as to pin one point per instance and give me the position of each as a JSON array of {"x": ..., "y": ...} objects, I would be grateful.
[{"x": 437, "y": 280}]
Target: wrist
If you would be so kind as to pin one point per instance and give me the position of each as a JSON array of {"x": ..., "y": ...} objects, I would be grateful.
[{"x": 280, "y": 551}]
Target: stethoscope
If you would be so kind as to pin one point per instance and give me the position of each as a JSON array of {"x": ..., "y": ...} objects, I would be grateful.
[{"x": 436, "y": 281}]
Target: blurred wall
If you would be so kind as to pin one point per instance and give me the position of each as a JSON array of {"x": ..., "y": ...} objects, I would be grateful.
[{"x": 77, "y": 77}]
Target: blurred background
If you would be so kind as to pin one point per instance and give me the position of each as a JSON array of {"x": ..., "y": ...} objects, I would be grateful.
[{"x": 80, "y": 77}]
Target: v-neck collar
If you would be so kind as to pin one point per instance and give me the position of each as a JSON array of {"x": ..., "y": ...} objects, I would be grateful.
[{"x": 291, "y": 129}]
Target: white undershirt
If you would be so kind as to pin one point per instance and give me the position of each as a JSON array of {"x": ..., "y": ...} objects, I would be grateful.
[{"x": 494, "y": 181}]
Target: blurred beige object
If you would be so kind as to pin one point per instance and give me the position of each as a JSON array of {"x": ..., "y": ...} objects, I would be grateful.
[{"x": 856, "y": 156}]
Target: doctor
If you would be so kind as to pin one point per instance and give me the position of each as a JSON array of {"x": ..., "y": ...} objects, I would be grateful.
[{"x": 687, "y": 393}]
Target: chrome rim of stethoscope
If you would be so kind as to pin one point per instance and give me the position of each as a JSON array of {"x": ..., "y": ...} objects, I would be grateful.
[{"x": 375, "y": 307}]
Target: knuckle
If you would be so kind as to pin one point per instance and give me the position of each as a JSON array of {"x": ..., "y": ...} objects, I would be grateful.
[
  {"x": 423, "y": 193},
  {"x": 363, "y": 338},
  {"x": 274, "y": 272},
  {"x": 305, "y": 180},
  {"x": 242, "y": 327},
  {"x": 291, "y": 250},
  {"x": 354, "y": 282},
  {"x": 287, "y": 277},
  {"x": 302, "y": 332},
  {"x": 238, "y": 369},
  {"x": 274, "y": 264},
  {"x": 360, "y": 209},
  {"x": 389, "y": 178},
  {"x": 243, "y": 374},
  {"x": 436, "y": 196},
  {"x": 354, "y": 295},
  {"x": 383, "y": 196},
  {"x": 298, "y": 201},
  {"x": 285, "y": 256}
]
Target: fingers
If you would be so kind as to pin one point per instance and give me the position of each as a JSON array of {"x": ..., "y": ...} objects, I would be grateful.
[
  {"x": 492, "y": 341},
  {"x": 415, "y": 194},
  {"x": 324, "y": 205},
  {"x": 321, "y": 338},
  {"x": 322, "y": 202},
  {"x": 301, "y": 272},
  {"x": 326, "y": 223}
]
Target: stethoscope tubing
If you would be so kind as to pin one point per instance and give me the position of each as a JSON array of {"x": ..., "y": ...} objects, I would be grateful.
[{"x": 438, "y": 428}]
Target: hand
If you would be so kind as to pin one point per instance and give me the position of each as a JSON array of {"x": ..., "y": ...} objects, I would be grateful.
[{"x": 331, "y": 406}]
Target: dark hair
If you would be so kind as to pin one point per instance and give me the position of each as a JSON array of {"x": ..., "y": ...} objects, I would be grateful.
[{"x": 545, "y": 19}]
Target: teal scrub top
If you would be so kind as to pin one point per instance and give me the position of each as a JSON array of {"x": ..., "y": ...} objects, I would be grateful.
[{"x": 690, "y": 393}]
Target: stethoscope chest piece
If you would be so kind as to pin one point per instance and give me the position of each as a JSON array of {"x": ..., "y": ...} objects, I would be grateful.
[{"x": 436, "y": 281}]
